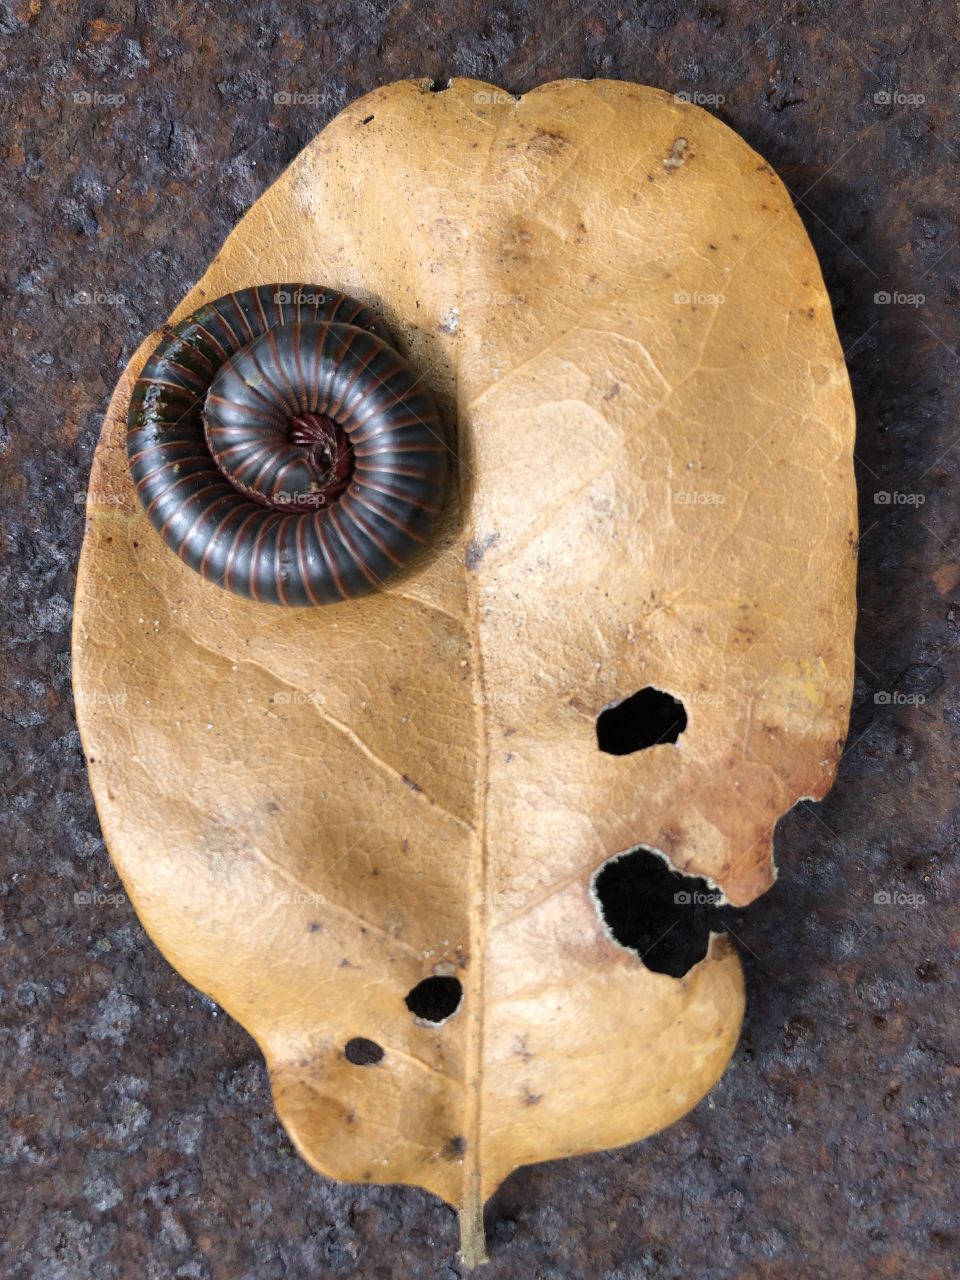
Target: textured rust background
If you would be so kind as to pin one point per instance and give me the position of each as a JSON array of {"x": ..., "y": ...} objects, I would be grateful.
[{"x": 137, "y": 1136}]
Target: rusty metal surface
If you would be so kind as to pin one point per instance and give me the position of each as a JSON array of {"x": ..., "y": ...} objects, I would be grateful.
[{"x": 137, "y": 1137}]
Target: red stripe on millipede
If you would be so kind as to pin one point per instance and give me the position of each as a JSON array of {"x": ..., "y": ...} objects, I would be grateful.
[
  {"x": 403, "y": 497},
  {"x": 302, "y": 566},
  {"x": 278, "y": 556},
  {"x": 361, "y": 500},
  {"x": 232, "y": 298},
  {"x": 321, "y": 529},
  {"x": 254, "y": 556},
  {"x": 215, "y": 342},
  {"x": 371, "y": 533},
  {"x": 370, "y": 576},
  {"x": 236, "y": 547}
]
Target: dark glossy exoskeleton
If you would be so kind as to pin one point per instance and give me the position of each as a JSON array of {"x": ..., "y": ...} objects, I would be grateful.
[{"x": 283, "y": 448}]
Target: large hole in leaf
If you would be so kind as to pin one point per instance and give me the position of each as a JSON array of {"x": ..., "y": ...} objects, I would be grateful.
[
  {"x": 435, "y": 999},
  {"x": 645, "y": 719},
  {"x": 663, "y": 916},
  {"x": 363, "y": 1052}
]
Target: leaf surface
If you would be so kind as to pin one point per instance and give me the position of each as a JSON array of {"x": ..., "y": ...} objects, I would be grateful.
[{"x": 621, "y": 315}]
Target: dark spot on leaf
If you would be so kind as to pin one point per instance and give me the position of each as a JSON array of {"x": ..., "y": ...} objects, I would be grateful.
[
  {"x": 363, "y": 1052},
  {"x": 454, "y": 1148},
  {"x": 477, "y": 549}
]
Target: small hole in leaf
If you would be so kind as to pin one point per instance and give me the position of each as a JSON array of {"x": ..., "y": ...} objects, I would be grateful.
[
  {"x": 664, "y": 916},
  {"x": 645, "y": 719},
  {"x": 363, "y": 1052},
  {"x": 435, "y": 999}
]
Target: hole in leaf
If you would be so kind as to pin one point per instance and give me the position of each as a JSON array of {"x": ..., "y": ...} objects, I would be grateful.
[
  {"x": 663, "y": 916},
  {"x": 435, "y": 999},
  {"x": 645, "y": 719},
  {"x": 363, "y": 1052}
]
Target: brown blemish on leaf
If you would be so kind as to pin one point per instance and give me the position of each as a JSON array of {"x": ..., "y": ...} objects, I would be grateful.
[{"x": 548, "y": 142}]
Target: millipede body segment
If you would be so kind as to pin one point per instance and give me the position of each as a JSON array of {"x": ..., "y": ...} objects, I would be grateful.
[{"x": 284, "y": 449}]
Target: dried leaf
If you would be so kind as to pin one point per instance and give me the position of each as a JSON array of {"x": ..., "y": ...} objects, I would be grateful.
[{"x": 314, "y": 811}]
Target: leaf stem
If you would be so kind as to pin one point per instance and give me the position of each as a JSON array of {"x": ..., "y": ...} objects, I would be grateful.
[{"x": 473, "y": 1240}]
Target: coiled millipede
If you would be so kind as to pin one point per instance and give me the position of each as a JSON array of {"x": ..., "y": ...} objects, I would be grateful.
[{"x": 283, "y": 448}]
